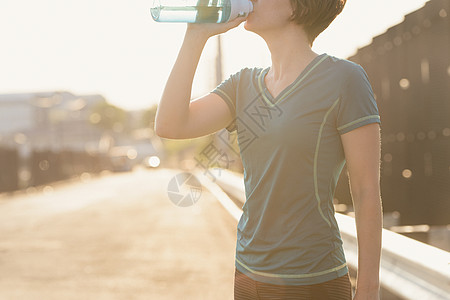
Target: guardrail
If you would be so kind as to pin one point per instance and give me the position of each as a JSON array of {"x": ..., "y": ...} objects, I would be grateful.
[{"x": 409, "y": 269}]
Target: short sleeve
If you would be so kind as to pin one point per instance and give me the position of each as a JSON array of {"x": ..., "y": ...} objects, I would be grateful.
[
  {"x": 227, "y": 91},
  {"x": 357, "y": 105}
]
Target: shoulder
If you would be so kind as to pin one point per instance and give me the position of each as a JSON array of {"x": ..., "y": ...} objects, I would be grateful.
[
  {"x": 347, "y": 70},
  {"x": 248, "y": 72}
]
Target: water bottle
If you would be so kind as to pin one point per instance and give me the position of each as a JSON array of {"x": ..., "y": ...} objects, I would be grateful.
[{"x": 199, "y": 11}]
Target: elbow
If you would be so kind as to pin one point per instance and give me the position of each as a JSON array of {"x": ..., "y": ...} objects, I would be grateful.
[
  {"x": 160, "y": 131},
  {"x": 159, "y": 128},
  {"x": 167, "y": 127},
  {"x": 164, "y": 132}
]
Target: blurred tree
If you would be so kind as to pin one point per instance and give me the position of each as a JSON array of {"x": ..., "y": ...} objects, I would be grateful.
[{"x": 109, "y": 117}]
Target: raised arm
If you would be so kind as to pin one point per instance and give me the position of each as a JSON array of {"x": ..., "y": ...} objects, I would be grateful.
[{"x": 177, "y": 117}]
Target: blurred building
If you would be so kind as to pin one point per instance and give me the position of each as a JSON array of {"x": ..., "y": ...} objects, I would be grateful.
[
  {"x": 52, "y": 136},
  {"x": 51, "y": 121},
  {"x": 409, "y": 69}
]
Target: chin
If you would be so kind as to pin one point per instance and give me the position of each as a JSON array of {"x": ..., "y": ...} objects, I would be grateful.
[
  {"x": 253, "y": 23},
  {"x": 246, "y": 27},
  {"x": 248, "y": 24}
]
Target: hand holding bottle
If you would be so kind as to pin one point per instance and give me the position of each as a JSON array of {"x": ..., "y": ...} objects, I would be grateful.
[{"x": 209, "y": 30}]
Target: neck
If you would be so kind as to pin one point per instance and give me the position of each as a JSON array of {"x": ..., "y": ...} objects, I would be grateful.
[{"x": 290, "y": 52}]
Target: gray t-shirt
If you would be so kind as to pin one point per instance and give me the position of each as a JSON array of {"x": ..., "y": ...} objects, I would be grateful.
[{"x": 292, "y": 156}]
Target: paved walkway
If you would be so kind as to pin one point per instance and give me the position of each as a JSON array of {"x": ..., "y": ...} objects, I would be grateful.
[{"x": 115, "y": 237}]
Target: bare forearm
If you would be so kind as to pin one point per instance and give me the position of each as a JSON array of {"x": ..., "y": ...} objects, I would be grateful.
[
  {"x": 173, "y": 109},
  {"x": 369, "y": 223}
]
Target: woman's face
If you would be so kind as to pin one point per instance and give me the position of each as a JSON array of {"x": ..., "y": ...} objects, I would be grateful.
[{"x": 268, "y": 15}]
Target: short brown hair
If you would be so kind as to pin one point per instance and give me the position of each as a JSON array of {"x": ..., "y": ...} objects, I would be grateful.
[{"x": 315, "y": 15}]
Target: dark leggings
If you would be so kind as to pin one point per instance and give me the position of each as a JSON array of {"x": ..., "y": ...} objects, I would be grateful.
[{"x": 246, "y": 288}]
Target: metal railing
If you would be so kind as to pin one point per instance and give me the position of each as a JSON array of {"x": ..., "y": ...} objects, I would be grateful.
[{"x": 409, "y": 269}]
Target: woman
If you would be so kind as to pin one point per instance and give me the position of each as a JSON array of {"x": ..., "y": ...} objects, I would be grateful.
[{"x": 320, "y": 114}]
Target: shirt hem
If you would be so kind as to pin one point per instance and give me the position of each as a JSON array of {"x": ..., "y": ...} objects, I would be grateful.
[{"x": 303, "y": 279}]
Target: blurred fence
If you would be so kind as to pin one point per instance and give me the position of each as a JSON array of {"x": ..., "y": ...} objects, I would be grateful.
[
  {"x": 9, "y": 167},
  {"x": 45, "y": 166}
]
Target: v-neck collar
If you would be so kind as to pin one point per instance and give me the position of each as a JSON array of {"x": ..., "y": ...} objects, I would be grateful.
[{"x": 286, "y": 91}]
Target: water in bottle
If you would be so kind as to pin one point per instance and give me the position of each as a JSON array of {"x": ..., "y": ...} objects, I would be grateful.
[{"x": 199, "y": 11}]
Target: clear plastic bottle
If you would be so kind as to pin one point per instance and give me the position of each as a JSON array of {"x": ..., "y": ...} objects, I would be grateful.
[{"x": 199, "y": 11}]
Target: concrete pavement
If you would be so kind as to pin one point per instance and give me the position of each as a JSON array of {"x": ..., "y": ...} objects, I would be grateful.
[{"x": 115, "y": 237}]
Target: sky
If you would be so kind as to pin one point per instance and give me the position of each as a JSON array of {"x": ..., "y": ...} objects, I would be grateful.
[{"x": 114, "y": 48}]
